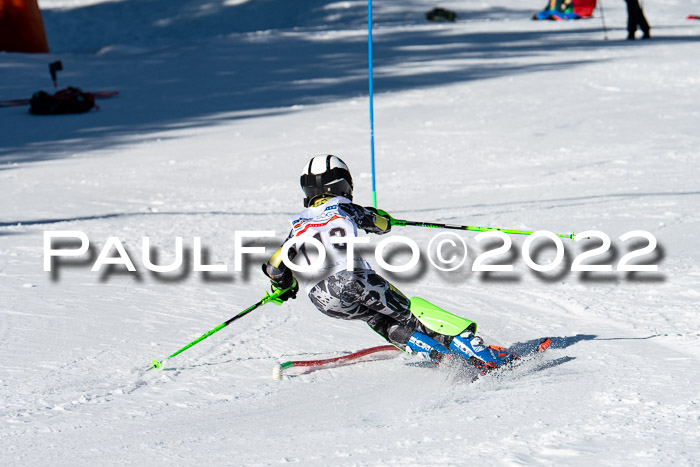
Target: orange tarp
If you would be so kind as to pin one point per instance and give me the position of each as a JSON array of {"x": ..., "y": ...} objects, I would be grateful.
[{"x": 21, "y": 27}]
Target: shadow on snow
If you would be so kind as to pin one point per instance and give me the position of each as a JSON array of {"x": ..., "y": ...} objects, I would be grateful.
[{"x": 213, "y": 76}]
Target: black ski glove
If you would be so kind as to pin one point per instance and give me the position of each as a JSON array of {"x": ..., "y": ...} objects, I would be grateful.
[
  {"x": 290, "y": 292},
  {"x": 281, "y": 279},
  {"x": 382, "y": 213}
]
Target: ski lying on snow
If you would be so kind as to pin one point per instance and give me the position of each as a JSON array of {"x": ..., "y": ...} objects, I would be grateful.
[
  {"x": 301, "y": 367},
  {"x": 382, "y": 352},
  {"x": 21, "y": 102},
  {"x": 534, "y": 353}
]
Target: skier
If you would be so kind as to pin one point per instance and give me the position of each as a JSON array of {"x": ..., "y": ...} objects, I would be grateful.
[{"x": 415, "y": 326}]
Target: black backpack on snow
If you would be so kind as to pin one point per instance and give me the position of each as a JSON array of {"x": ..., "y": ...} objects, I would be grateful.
[
  {"x": 441, "y": 15},
  {"x": 65, "y": 101}
]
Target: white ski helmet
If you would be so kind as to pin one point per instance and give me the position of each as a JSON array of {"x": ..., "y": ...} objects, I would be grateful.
[{"x": 326, "y": 175}]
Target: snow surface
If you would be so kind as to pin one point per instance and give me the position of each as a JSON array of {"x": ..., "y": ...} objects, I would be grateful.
[{"x": 494, "y": 120}]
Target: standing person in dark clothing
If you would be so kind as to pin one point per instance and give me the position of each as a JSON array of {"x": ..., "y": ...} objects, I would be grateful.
[{"x": 635, "y": 17}]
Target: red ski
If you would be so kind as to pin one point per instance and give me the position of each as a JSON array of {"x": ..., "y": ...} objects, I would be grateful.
[
  {"x": 543, "y": 345},
  {"x": 382, "y": 352}
]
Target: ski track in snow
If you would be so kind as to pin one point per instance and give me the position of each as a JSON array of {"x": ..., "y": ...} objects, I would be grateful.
[{"x": 494, "y": 120}]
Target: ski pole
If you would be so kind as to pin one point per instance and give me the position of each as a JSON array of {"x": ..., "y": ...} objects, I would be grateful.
[
  {"x": 602, "y": 17},
  {"x": 435, "y": 225},
  {"x": 268, "y": 298}
]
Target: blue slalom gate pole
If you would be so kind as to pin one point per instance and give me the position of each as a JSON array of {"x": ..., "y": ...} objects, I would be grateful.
[{"x": 371, "y": 101}]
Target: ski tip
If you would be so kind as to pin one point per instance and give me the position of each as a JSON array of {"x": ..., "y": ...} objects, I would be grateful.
[
  {"x": 277, "y": 372},
  {"x": 544, "y": 345}
]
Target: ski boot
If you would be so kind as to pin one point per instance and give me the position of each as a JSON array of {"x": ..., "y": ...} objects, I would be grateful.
[
  {"x": 484, "y": 358},
  {"x": 420, "y": 343}
]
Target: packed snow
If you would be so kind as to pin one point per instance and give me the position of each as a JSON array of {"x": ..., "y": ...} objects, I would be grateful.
[{"x": 494, "y": 120}]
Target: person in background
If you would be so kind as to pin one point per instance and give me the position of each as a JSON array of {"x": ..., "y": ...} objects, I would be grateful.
[{"x": 635, "y": 17}]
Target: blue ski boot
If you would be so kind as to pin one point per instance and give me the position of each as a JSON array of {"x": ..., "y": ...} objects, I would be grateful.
[
  {"x": 473, "y": 350},
  {"x": 420, "y": 343}
]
